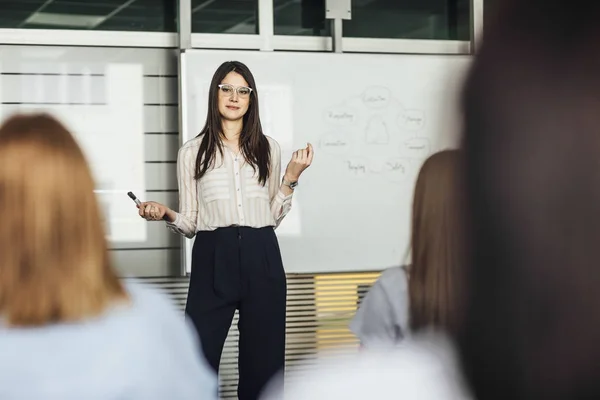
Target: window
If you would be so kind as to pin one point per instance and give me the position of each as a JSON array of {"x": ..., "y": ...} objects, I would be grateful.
[
  {"x": 300, "y": 18},
  {"x": 105, "y": 15},
  {"x": 409, "y": 19},
  {"x": 225, "y": 16},
  {"x": 406, "y": 19}
]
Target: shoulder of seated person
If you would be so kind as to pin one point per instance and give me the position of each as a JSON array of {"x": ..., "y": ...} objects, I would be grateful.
[{"x": 393, "y": 276}]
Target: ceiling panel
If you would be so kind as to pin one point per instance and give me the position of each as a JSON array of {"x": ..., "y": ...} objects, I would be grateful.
[
  {"x": 126, "y": 15},
  {"x": 69, "y": 7}
]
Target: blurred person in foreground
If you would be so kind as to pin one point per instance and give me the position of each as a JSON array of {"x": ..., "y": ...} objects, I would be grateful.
[
  {"x": 532, "y": 140},
  {"x": 396, "y": 306},
  {"x": 532, "y": 177},
  {"x": 69, "y": 329}
]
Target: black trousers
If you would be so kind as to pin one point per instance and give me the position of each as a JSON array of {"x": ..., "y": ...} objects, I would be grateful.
[{"x": 240, "y": 268}]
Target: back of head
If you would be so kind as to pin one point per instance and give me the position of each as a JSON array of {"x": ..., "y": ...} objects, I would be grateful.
[
  {"x": 532, "y": 148},
  {"x": 437, "y": 243},
  {"x": 54, "y": 263}
]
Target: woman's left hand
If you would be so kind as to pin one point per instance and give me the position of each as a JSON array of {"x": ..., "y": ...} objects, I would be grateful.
[{"x": 301, "y": 159}]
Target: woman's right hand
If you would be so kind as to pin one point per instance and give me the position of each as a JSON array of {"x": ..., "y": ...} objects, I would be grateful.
[{"x": 153, "y": 211}]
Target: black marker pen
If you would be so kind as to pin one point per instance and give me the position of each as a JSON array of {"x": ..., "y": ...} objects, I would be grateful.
[{"x": 137, "y": 201}]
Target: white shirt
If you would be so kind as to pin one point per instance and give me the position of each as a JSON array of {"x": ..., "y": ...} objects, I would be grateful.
[
  {"x": 420, "y": 368},
  {"x": 229, "y": 194}
]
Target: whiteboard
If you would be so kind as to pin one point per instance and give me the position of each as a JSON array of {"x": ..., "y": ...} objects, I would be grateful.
[
  {"x": 373, "y": 120},
  {"x": 111, "y": 134}
]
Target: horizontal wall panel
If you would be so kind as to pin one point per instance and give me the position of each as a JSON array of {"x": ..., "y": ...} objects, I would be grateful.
[
  {"x": 161, "y": 147},
  {"x": 161, "y": 176},
  {"x": 157, "y": 118},
  {"x": 170, "y": 199},
  {"x": 50, "y": 75},
  {"x": 108, "y": 36},
  {"x": 142, "y": 263},
  {"x": 174, "y": 287},
  {"x": 78, "y": 89},
  {"x": 85, "y": 88},
  {"x": 160, "y": 90},
  {"x": 85, "y": 60},
  {"x": 161, "y": 119},
  {"x": 57, "y": 89},
  {"x": 159, "y": 236}
]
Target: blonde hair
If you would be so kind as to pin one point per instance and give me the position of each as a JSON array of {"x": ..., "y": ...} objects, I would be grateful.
[
  {"x": 54, "y": 261},
  {"x": 438, "y": 243}
]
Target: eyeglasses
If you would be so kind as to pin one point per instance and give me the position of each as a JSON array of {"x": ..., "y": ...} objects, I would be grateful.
[{"x": 242, "y": 91}]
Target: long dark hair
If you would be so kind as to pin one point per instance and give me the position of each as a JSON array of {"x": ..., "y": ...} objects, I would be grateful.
[
  {"x": 438, "y": 244},
  {"x": 254, "y": 145},
  {"x": 532, "y": 144}
]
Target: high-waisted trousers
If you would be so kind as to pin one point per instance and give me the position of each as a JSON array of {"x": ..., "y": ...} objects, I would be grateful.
[{"x": 240, "y": 268}]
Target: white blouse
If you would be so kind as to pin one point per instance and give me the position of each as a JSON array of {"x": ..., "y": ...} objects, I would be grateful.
[{"x": 228, "y": 194}]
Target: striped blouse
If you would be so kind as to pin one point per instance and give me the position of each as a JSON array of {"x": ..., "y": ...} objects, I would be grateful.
[{"x": 228, "y": 194}]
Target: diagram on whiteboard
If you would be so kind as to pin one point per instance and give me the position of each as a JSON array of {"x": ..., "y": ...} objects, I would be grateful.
[
  {"x": 373, "y": 133},
  {"x": 377, "y": 131}
]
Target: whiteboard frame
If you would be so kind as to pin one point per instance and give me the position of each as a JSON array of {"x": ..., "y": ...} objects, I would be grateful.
[
  {"x": 66, "y": 37},
  {"x": 183, "y": 135}
]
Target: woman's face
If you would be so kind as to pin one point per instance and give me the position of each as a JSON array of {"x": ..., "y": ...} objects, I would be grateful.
[{"x": 234, "y": 97}]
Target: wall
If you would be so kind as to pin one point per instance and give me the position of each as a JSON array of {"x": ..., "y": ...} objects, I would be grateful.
[{"x": 30, "y": 67}]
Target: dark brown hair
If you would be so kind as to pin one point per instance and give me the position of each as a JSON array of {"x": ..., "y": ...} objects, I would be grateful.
[
  {"x": 254, "y": 145},
  {"x": 532, "y": 144},
  {"x": 54, "y": 262},
  {"x": 437, "y": 243}
]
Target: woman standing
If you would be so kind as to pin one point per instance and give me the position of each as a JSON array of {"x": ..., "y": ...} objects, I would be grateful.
[{"x": 231, "y": 198}]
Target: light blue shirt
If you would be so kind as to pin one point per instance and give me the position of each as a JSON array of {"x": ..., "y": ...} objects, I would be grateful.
[
  {"x": 144, "y": 350},
  {"x": 382, "y": 318}
]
